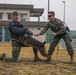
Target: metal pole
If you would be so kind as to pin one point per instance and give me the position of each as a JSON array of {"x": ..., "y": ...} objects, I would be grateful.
[
  {"x": 48, "y": 8},
  {"x": 64, "y": 11},
  {"x": 48, "y": 4},
  {"x": 47, "y": 13}
]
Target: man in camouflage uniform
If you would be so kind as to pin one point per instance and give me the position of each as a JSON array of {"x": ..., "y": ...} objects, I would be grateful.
[
  {"x": 58, "y": 31},
  {"x": 21, "y": 36}
]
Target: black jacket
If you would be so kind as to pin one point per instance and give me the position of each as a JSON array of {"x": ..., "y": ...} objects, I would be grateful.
[{"x": 16, "y": 29}]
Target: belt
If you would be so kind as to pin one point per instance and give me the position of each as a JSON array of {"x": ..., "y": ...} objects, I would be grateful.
[{"x": 14, "y": 39}]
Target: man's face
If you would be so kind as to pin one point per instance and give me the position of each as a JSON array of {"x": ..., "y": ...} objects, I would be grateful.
[
  {"x": 15, "y": 17},
  {"x": 51, "y": 17}
]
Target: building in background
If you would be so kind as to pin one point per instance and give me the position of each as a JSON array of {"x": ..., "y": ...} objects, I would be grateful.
[
  {"x": 25, "y": 12},
  {"x": 73, "y": 36}
]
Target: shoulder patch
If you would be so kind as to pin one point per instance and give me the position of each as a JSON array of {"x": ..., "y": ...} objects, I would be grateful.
[{"x": 59, "y": 21}]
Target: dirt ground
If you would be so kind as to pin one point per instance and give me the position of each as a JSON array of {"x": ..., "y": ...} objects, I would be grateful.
[{"x": 26, "y": 66}]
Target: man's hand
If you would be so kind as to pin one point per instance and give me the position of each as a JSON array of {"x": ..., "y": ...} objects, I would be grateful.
[
  {"x": 37, "y": 35},
  {"x": 30, "y": 32},
  {"x": 53, "y": 33}
]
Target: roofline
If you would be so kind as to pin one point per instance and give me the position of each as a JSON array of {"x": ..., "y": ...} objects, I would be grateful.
[
  {"x": 35, "y": 12},
  {"x": 26, "y": 23},
  {"x": 15, "y": 6}
]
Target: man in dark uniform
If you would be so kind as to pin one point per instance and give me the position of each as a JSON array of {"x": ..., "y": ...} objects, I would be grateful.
[
  {"x": 58, "y": 31},
  {"x": 21, "y": 36}
]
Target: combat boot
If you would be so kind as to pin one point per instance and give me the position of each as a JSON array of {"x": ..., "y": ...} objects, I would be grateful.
[
  {"x": 3, "y": 55},
  {"x": 49, "y": 59},
  {"x": 37, "y": 59}
]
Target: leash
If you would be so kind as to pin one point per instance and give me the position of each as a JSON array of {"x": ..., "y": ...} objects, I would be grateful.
[
  {"x": 57, "y": 56},
  {"x": 57, "y": 52}
]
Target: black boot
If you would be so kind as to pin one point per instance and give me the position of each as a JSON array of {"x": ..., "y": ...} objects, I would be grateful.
[
  {"x": 37, "y": 59},
  {"x": 49, "y": 59},
  {"x": 2, "y": 56}
]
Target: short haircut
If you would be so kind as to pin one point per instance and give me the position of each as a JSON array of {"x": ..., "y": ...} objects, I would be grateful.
[
  {"x": 51, "y": 12},
  {"x": 15, "y": 13}
]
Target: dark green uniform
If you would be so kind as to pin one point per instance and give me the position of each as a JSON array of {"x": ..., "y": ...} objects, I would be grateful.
[{"x": 58, "y": 27}]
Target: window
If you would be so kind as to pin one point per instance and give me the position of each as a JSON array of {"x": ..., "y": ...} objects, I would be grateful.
[
  {"x": 22, "y": 17},
  {"x": 7, "y": 34},
  {"x": 9, "y": 16},
  {"x": 0, "y": 34},
  {"x": 0, "y": 15}
]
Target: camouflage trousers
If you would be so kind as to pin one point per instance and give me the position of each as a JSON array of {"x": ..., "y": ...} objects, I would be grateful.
[
  {"x": 55, "y": 41},
  {"x": 16, "y": 47}
]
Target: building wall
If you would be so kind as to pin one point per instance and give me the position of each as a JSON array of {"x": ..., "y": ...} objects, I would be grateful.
[
  {"x": 4, "y": 32},
  {"x": 6, "y": 11},
  {"x": 36, "y": 30}
]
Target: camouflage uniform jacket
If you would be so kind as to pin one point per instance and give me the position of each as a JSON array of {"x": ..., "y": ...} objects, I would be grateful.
[{"x": 57, "y": 26}]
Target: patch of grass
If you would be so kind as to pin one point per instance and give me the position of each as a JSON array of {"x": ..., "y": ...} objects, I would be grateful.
[
  {"x": 25, "y": 66},
  {"x": 30, "y": 73},
  {"x": 69, "y": 73}
]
